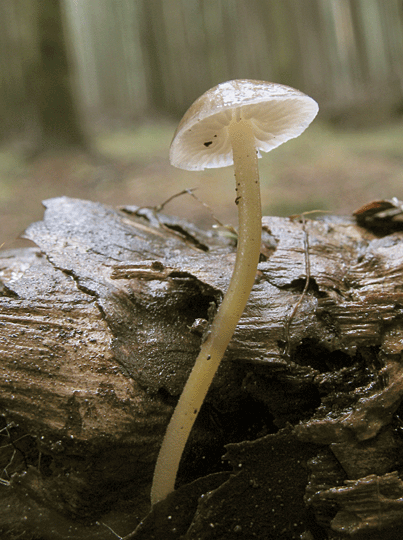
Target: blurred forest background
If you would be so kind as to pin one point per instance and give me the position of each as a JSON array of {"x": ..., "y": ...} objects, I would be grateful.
[{"x": 91, "y": 91}]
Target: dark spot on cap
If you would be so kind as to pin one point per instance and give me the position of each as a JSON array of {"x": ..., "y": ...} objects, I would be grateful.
[{"x": 207, "y": 144}]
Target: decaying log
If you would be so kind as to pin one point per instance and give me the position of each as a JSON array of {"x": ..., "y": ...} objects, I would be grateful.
[{"x": 100, "y": 326}]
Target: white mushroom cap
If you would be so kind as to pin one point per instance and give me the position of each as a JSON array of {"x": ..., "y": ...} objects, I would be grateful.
[{"x": 276, "y": 112}]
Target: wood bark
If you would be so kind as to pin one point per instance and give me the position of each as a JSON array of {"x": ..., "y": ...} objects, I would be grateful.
[{"x": 100, "y": 325}]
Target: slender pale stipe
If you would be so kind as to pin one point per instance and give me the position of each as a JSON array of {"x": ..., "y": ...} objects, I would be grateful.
[{"x": 228, "y": 315}]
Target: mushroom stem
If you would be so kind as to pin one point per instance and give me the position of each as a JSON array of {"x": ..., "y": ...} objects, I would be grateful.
[{"x": 229, "y": 312}]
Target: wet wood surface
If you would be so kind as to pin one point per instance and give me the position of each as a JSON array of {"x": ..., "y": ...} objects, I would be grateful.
[{"x": 100, "y": 326}]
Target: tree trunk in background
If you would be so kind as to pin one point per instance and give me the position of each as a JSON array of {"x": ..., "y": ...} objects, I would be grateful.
[
  {"x": 18, "y": 52},
  {"x": 36, "y": 89},
  {"x": 52, "y": 82},
  {"x": 150, "y": 28}
]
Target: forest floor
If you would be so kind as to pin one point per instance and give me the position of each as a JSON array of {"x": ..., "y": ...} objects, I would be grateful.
[{"x": 324, "y": 169}]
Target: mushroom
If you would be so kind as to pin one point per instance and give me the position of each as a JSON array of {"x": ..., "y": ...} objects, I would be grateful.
[{"x": 230, "y": 123}]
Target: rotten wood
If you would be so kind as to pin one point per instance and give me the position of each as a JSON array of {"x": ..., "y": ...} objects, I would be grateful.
[{"x": 100, "y": 326}]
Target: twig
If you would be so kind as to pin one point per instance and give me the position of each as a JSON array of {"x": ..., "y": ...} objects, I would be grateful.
[
  {"x": 110, "y": 528},
  {"x": 307, "y": 276},
  {"x": 161, "y": 206}
]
